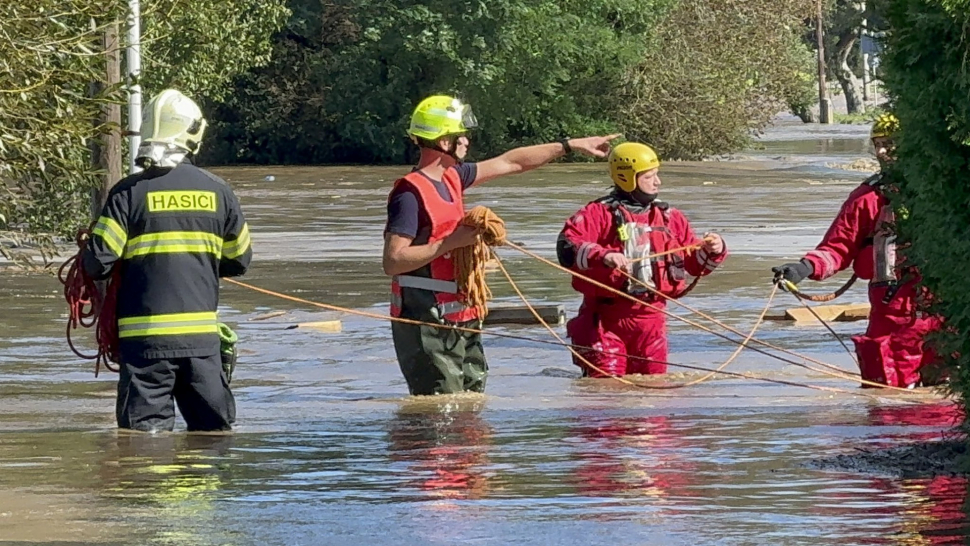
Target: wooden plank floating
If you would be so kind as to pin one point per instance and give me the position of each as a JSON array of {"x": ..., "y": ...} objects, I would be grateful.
[
  {"x": 553, "y": 314},
  {"x": 853, "y": 312},
  {"x": 269, "y": 315},
  {"x": 829, "y": 313},
  {"x": 323, "y": 326}
]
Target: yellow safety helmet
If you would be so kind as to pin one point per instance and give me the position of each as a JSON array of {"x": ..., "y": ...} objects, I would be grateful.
[
  {"x": 172, "y": 119},
  {"x": 439, "y": 116},
  {"x": 886, "y": 125},
  {"x": 628, "y": 160}
]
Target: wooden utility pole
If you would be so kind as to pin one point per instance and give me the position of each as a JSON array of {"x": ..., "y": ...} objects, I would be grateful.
[
  {"x": 824, "y": 106},
  {"x": 107, "y": 152}
]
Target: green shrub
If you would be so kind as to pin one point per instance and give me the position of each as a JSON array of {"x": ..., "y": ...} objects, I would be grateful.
[{"x": 926, "y": 73}]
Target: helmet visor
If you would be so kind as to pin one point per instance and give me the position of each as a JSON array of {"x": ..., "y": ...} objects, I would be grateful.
[{"x": 468, "y": 119}]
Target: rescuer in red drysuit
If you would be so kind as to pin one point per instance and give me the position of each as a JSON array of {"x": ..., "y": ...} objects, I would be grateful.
[
  {"x": 614, "y": 234},
  {"x": 862, "y": 235}
]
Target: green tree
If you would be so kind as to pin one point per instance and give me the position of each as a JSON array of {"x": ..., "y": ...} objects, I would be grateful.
[
  {"x": 48, "y": 58},
  {"x": 199, "y": 46},
  {"x": 533, "y": 70},
  {"x": 280, "y": 113},
  {"x": 50, "y": 54},
  {"x": 926, "y": 74},
  {"x": 842, "y": 58},
  {"x": 803, "y": 95},
  {"x": 716, "y": 70}
]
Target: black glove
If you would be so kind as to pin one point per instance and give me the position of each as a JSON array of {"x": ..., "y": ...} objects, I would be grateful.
[{"x": 793, "y": 272}]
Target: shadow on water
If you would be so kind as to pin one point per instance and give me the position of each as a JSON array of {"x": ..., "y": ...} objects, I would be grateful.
[{"x": 329, "y": 450}]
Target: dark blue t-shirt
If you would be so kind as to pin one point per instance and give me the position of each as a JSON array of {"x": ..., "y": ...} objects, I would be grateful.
[{"x": 406, "y": 216}]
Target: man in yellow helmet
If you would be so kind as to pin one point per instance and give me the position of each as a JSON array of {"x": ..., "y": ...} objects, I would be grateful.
[
  {"x": 862, "y": 236},
  {"x": 615, "y": 238},
  {"x": 424, "y": 212},
  {"x": 170, "y": 232}
]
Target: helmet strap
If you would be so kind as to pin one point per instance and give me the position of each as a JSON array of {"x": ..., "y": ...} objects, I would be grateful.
[
  {"x": 433, "y": 145},
  {"x": 454, "y": 146}
]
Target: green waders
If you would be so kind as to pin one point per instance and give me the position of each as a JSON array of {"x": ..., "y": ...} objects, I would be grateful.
[{"x": 437, "y": 360}]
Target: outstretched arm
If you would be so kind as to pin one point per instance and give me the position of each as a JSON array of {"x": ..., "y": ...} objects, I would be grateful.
[{"x": 524, "y": 159}]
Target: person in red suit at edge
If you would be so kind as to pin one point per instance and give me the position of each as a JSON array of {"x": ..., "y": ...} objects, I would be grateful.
[
  {"x": 613, "y": 236},
  {"x": 892, "y": 351}
]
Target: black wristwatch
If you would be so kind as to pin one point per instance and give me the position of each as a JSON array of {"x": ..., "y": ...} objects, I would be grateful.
[{"x": 566, "y": 148}]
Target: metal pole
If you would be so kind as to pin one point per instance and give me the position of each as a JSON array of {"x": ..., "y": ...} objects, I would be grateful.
[
  {"x": 824, "y": 108},
  {"x": 863, "y": 35},
  {"x": 134, "y": 89}
]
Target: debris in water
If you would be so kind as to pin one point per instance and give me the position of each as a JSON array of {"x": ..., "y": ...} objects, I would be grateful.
[
  {"x": 559, "y": 372},
  {"x": 269, "y": 315},
  {"x": 920, "y": 460}
]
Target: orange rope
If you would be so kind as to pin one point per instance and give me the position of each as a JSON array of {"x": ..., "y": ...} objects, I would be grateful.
[
  {"x": 697, "y": 325},
  {"x": 687, "y": 248},
  {"x": 734, "y": 330},
  {"x": 616, "y": 377},
  {"x": 790, "y": 287},
  {"x": 838, "y": 372},
  {"x": 524, "y": 338},
  {"x": 542, "y": 321},
  {"x": 470, "y": 260},
  {"x": 761, "y": 319}
]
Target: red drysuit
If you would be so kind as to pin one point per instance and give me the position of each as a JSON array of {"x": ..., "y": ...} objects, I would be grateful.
[
  {"x": 606, "y": 321},
  {"x": 891, "y": 351}
]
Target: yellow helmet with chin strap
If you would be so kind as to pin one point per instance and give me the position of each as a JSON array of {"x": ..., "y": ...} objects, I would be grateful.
[
  {"x": 886, "y": 125},
  {"x": 440, "y": 116},
  {"x": 628, "y": 160}
]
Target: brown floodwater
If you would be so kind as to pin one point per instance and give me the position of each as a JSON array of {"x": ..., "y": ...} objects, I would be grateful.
[{"x": 329, "y": 449}]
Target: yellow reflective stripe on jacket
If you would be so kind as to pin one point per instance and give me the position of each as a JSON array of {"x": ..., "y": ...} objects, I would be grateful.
[
  {"x": 168, "y": 242},
  {"x": 112, "y": 233},
  {"x": 235, "y": 249},
  {"x": 166, "y": 325}
]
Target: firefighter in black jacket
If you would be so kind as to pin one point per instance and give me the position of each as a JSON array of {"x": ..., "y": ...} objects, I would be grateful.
[{"x": 174, "y": 230}]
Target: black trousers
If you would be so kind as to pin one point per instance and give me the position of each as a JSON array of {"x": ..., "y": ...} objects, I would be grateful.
[{"x": 148, "y": 390}]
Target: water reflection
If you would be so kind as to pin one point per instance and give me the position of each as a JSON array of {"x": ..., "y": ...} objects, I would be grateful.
[
  {"x": 172, "y": 482},
  {"x": 443, "y": 444},
  {"x": 327, "y": 453},
  {"x": 931, "y": 510},
  {"x": 629, "y": 457},
  {"x": 943, "y": 415}
]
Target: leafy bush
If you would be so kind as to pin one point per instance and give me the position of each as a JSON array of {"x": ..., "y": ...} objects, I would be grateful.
[
  {"x": 51, "y": 53},
  {"x": 692, "y": 77},
  {"x": 925, "y": 72},
  {"x": 534, "y": 70},
  {"x": 716, "y": 70}
]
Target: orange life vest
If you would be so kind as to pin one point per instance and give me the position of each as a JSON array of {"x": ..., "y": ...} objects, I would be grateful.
[{"x": 445, "y": 217}]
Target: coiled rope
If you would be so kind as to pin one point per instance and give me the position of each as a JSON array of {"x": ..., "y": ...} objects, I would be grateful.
[
  {"x": 88, "y": 308},
  {"x": 470, "y": 260}
]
